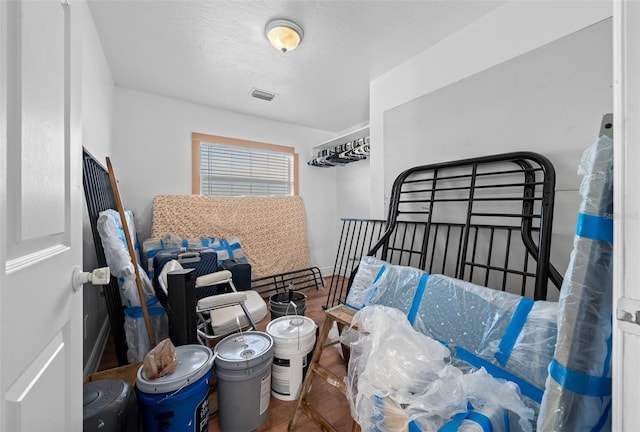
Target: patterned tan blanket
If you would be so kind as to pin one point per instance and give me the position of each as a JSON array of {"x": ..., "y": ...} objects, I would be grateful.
[{"x": 272, "y": 230}]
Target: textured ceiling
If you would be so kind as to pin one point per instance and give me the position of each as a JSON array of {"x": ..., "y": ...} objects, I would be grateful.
[{"x": 214, "y": 52}]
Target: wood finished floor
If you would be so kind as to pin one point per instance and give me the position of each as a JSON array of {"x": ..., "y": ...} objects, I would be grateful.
[{"x": 324, "y": 397}]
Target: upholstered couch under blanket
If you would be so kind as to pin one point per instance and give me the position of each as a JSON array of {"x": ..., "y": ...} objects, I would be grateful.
[{"x": 271, "y": 230}]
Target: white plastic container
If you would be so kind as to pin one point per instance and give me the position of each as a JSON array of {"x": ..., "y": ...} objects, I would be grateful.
[{"x": 293, "y": 341}]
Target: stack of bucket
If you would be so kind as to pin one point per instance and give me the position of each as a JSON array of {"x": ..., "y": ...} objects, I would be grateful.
[
  {"x": 249, "y": 366},
  {"x": 294, "y": 337}
]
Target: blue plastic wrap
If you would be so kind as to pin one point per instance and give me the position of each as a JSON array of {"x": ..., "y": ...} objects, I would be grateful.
[
  {"x": 119, "y": 261},
  {"x": 578, "y": 391},
  {"x": 225, "y": 248},
  {"x": 466, "y": 315},
  {"x": 512, "y": 337}
]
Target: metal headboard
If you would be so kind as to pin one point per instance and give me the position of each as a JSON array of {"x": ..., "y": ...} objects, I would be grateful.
[
  {"x": 486, "y": 220},
  {"x": 99, "y": 197},
  {"x": 481, "y": 206}
]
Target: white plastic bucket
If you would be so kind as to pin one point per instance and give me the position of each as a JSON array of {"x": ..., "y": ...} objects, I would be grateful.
[{"x": 293, "y": 341}]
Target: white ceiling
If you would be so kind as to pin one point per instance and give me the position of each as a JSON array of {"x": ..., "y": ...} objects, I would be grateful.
[{"x": 213, "y": 52}]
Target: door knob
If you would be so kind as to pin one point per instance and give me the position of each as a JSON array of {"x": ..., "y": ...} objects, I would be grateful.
[{"x": 99, "y": 276}]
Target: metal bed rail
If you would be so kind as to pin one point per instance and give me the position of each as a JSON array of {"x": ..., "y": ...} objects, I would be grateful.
[
  {"x": 301, "y": 279},
  {"x": 357, "y": 236}
]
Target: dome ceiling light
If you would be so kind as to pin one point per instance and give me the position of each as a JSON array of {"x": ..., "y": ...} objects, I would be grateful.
[{"x": 284, "y": 35}]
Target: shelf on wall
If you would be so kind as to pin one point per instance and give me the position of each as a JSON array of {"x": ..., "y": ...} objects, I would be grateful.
[
  {"x": 350, "y": 147},
  {"x": 342, "y": 139}
]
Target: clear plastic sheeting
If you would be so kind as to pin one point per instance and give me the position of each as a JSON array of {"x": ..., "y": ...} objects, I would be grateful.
[
  {"x": 135, "y": 329},
  {"x": 362, "y": 285},
  {"x": 225, "y": 248},
  {"x": 512, "y": 337},
  {"x": 116, "y": 252},
  {"x": 399, "y": 378},
  {"x": 465, "y": 315},
  {"x": 118, "y": 259},
  {"x": 578, "y": 390}
]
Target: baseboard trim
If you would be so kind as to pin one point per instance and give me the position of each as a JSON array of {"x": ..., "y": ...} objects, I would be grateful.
[
  {"x": 326, "y": 271},
  {"x": 98, "y": 349},
  {"x": 330, "y": 271}
]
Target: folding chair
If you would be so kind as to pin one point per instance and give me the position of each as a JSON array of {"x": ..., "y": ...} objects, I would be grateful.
[{"x": 221, "y": 314}]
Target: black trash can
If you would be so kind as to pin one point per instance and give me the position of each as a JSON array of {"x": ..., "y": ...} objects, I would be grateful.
[
  {"x": 109, "y": 405},
  {"x": 281, "y": 304}
]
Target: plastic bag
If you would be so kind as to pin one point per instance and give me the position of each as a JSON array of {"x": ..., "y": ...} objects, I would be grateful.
[
  {"x": 161, "y": 360},
  {"x": 114, "y": 243}
]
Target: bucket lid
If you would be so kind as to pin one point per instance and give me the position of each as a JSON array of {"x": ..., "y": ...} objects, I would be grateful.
[
  {"x": 243, "y": 347},
  {"x": 194, "y": 361},
  {"x": 291, "y": 327}
]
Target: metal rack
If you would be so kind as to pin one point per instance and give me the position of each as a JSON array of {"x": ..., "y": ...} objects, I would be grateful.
[
  {"x": 357, "y": 237},
  {"x": 347, "y": 148},
  {"x": 301, "y": 279}
]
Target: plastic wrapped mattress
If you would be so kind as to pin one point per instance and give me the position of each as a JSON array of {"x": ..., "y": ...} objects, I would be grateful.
[
  {"x": 400, "y": 378},
  {"x": 578, "y": 390},
  {"x": 511, "y": 337}
]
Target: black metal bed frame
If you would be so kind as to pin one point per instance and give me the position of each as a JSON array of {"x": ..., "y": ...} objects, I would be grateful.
[
  {"x": 99, "y": 196},
  {"x": 301, "y": 280},
  {"x": 486, "y": 220}
]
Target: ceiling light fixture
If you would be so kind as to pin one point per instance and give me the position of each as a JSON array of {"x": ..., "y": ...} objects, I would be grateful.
[{"x": 284, "y": 35}]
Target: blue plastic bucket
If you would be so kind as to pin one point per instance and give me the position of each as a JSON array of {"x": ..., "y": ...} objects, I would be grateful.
[{"x": 178, "y": 401}]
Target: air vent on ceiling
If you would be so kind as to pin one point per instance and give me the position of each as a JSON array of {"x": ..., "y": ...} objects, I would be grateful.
[{"x": 262, "y": 94}]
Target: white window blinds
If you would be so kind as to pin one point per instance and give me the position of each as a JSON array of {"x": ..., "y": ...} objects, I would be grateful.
[{"x": 228, "y": 170}]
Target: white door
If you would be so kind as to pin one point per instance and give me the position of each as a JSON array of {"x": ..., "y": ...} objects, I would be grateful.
[
  {"x": 626, "y": 342},
  {"x": 40, "y": 217}
]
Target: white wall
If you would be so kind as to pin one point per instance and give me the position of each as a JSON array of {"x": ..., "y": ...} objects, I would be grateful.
[
  {"x": 353, "y": 189},
  {"x": 550, "y": 100},
  {"x": 449, "y": 81},
  {"x": 97, "y": 115},
  {"x": 151, "y": 155},
  {"x": 509, "y": 31}
]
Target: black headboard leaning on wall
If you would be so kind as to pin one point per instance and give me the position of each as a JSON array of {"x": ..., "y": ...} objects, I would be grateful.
[
  {"x": 99, "y": 197},
  {"x": 487, "y": 220}
]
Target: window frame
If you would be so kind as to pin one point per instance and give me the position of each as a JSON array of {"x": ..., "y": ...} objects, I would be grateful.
[{"x": 198, "y": 138}]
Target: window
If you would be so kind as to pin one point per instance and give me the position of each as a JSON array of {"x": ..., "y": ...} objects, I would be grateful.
[{"x": 231, "y": 167}]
